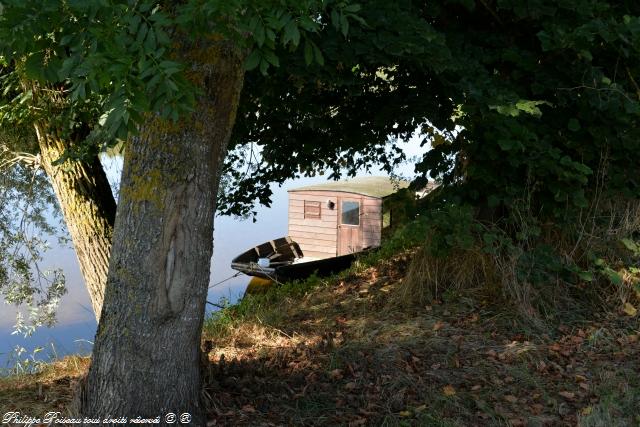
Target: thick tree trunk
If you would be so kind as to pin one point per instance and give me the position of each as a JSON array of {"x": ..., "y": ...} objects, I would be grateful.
[
  {"x": 89, "y": 210},
  {"x": 146, "y": 354}
]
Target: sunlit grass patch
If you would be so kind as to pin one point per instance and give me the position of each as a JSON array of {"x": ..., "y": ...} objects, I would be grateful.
[{"x": 51, "y": 389}]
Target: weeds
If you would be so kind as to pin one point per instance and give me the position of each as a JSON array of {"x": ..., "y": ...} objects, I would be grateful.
[{"x": 546, "y": 272}]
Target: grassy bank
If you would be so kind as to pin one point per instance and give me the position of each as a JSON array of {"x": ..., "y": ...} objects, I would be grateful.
[
  {"x": 344, "y": 353},
  {"x": 350, "y": 350}
]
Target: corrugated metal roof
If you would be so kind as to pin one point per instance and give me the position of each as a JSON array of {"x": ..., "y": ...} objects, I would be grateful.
[{"x": 373, "y": 186}]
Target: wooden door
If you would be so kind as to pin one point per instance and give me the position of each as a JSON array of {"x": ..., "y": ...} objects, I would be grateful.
[{"x": 349, "y": 226}]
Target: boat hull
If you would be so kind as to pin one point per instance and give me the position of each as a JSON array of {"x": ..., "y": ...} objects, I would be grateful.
[{"x": 288, "y": 262}]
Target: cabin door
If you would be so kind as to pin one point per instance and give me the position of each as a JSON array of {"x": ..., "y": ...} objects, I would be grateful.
[{"x": 349, "y": 226}]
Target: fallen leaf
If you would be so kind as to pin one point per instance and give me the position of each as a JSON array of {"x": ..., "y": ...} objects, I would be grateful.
[
  {"x": 476, "y": 387},
  {"x": 511, "y": 398},
  {"x": 248, "y": 408},
  {"x": 577, "y": 340},
  {"x": 421, "y": 408},
  {"x": 350, "y": 386},
  {"x": 580, "y": 378},
  {"x": 567, "y": 395},
  {"x": 448, "y": 390},
  {"x": 586, "y": 410},
  {"x": 336, "y": 374},
  {"x": 405, "y": 414},
  {"x": 584, "y": 386},
  {"x": 629, "y": 309},
  {"x": 517, "y": 422},
  {"x": 438, "y": 325},
  {"x": 537, "y": 408}
]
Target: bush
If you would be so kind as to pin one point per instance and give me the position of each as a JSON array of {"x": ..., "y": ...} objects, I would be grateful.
[{"x": 541, "y": 269}]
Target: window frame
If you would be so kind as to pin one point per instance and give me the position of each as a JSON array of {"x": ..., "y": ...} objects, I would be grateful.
[
  {"x": 312, "y": 204},
  {"x": 342, "y": 202}
]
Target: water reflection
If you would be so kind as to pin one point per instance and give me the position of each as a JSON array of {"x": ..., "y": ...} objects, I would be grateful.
[{"x": 76, "y": 326}]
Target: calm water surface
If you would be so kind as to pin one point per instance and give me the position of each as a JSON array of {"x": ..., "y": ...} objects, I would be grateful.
[{"x": 76, "y": 327}]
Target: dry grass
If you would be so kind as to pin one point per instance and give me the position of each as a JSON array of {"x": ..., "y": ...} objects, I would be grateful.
[
  {"x": 530, "y": 282},
  {"x": 429, "y": 277},
  {"x": 49, "y": 390}
]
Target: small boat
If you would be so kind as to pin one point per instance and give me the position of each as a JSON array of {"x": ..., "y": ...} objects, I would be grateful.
[{"x": 282, "y": 260}]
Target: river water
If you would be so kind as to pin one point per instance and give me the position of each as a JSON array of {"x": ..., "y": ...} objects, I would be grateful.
[
  {"x": 76, "y": 327},
  {"x": 75, "y": 330}
]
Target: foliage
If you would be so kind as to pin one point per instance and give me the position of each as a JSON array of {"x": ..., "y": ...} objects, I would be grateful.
[
  {"x": 97, "y": 67},
  {"x": 549, "y": 110},
  {"x": 541, "y": 271},
  {"x": 342, "y": 117},
  {"x": 27, "y": 223},
  {"x": 512, "y": 97}
]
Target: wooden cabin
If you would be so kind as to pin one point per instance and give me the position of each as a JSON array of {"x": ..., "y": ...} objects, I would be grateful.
[{"x": 341, "y": 217}]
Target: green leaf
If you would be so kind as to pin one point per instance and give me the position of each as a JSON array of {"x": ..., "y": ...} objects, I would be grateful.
[
  {"x": 291, "y": 34},
  {"x": 344, "y": 25},
  {"x": 335, "y": 19},
  {"x": 630, "y": 244},
  {"x": 134, "y": 22},
  {"x": 573, "y": 125},
  {"x": 264, "y": 66},
  {"x": 587, "y": 276},
  {"x": 270, "y": 56},
  {"x": 308, "y": 53},
  {"x": 586, "y": 55},
  {"x": 259, "y": 35},
  {"x": 150, "y": 42},
  {"x": 142, "y": 33},
  {"x": 613, "y": 276},
  {"x": 252, "y": 60},
  {"x": 353, "y": 8},
  {"x": 317, "y": 53},
  {"x": 33, "y": 66}
]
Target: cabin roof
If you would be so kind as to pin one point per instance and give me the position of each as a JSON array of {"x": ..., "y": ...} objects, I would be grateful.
[{"x": 373, "y": 186}]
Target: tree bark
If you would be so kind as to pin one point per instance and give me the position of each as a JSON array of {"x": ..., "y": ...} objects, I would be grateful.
[
  {"x": 146, "y": 354},
  {"x": 89, "y": 210}
]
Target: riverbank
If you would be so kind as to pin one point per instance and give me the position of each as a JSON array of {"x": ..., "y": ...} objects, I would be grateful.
[{"x": 343, "y": 352}]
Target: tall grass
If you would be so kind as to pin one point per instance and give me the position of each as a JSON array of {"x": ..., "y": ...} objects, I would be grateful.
[{"x": 542, "y": 270}]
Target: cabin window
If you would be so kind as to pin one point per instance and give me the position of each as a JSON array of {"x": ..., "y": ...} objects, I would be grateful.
[
  {"x": 311, "y": 210},
  {"x": 350, "y": 213}
]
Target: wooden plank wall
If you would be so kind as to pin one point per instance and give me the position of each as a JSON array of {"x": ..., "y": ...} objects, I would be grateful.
[
  {"x": 371, "y": 220},
  {"x": 318, "y": 237}
]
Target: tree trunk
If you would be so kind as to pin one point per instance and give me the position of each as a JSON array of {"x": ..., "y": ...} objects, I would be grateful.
[
  {"x": 89, "y": 210},
  {"x": 146, "y": 354}
]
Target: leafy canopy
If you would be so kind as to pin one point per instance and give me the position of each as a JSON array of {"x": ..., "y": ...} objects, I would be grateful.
[
  {"x": 94, "y": 68},
  {"x": 516, "y": 100}
]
